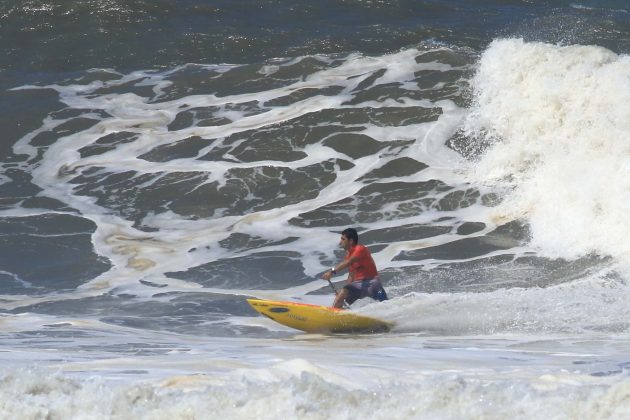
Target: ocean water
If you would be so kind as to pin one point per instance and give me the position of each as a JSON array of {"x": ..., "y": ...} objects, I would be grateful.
[{"x": 161, "y": 162}]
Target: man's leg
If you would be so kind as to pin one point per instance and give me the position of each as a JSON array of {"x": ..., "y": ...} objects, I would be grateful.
[{"x": 340, "y": 298}]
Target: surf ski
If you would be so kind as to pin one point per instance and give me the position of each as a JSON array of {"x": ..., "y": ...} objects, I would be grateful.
[{"x": 318, "y": 318}]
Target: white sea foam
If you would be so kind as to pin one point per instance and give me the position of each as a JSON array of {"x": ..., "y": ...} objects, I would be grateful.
[
  {"x": 298, "y": 388},
  {"x": 558, "y": 122},
  {"x": 135, "y": 254},
  {"x": 553, "y": 352},
  {"x": 594, "y": 305}
]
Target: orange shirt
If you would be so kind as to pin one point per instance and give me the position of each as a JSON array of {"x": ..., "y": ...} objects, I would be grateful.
[{"x": 363, "y": 268}]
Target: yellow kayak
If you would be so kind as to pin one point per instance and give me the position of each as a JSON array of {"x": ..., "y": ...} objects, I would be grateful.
[{"x": 317, "y": 318}]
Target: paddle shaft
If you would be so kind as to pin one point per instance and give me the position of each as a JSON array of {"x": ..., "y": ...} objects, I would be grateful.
[
  {"x": 333, "y": 287},
  {"x": 345, "y": 305}
]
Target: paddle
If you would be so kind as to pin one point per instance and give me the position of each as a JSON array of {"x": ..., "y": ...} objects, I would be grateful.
[
  {"x": 345, "y": 305},
  {"x": 333, "y": 287}
]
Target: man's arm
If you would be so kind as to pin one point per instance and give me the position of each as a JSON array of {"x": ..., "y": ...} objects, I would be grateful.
[{"x": 341, "y": 266}]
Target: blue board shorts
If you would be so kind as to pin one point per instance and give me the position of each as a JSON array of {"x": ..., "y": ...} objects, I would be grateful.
[{"x": 365, "y": 288}]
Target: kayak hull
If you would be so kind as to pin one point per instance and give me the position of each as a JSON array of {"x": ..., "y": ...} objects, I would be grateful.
[{"x": 318, "y": 318}]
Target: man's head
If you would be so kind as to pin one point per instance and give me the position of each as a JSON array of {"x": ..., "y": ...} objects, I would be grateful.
[{"x": 349, "y": 238}]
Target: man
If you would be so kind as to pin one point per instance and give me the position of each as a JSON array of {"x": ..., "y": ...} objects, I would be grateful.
[{"x": 362, "y": 274}]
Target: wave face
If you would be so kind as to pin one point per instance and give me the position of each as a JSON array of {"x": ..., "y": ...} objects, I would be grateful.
[{"x": 555, "y": 126}]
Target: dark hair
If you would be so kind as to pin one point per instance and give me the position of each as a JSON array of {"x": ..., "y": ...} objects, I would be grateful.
[{"x": 351, "y": 234}]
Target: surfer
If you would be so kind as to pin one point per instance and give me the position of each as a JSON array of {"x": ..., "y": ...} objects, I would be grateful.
[{"x": 362, "y": 278}]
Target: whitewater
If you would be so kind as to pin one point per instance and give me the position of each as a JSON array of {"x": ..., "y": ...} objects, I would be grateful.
[{"x": 492, "y": 189}]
